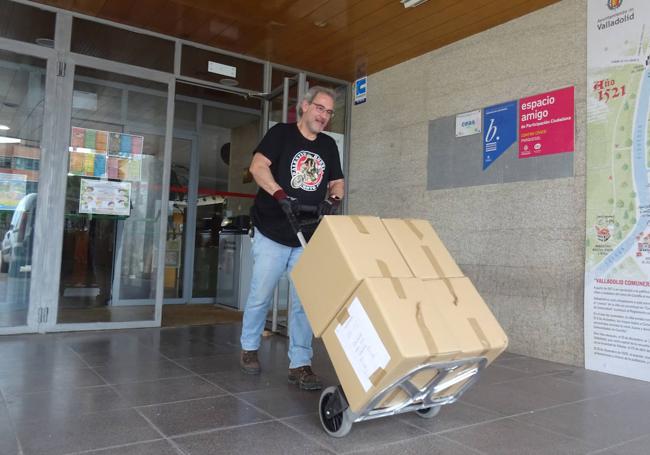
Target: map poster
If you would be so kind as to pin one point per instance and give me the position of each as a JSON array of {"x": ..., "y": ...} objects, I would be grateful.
[
  {"x": 546, "y": 123},
  {"x": 105, "y": 197},
  {"x": 617, "y": 260}
]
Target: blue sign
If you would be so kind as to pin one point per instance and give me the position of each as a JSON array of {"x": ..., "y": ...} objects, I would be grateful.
[
  {"x": 360, "y": 90},
  {"x": 499, "y": 130}
]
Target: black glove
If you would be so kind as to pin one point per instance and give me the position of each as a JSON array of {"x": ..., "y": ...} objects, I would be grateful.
[
  {"x": 289, "y": 205},
  {"x": 329, "y": 206}
]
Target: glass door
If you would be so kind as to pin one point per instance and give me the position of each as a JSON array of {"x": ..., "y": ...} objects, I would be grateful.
[
  {"x": 215, "y": 133},
  {"x": 113, "y": 199},
  {"x": 22, "y": 104},
  {"x": 177, "y": 253}
]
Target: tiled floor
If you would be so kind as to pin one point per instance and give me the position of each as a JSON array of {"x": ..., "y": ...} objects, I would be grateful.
[{"x": 180, "y": 391}]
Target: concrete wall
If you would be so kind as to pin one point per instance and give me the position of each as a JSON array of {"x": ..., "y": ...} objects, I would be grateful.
[{"x": 521, "y": 243}]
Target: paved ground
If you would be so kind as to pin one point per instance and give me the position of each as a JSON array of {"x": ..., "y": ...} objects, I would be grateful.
[{"x": 180, "y": 391}]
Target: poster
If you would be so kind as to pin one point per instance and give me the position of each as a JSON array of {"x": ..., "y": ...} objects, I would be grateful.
[
  {"x": 76, "y": 163},
  {"x": 13, "y": 188},
  {"x": 105, "y": 197},
  {"x": 499, "y": 130},
  {"x": 617, "y": 260},
  {"x": 103, "y": 154},
  {"x": 546, "y": 123}
]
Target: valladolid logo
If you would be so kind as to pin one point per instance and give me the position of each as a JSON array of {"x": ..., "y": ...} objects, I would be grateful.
[
  {"x": 614, "y": 4},
  {"x": 616, "y": 18}
]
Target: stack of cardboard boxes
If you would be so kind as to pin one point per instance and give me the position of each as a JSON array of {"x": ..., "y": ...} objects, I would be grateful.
[{"x": 386, "y": 296}]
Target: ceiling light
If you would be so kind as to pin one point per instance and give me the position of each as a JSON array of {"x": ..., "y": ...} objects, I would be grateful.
[
  {"x": 229, "y": 82},
  {"x": 411, "y": 3},
  {"x": 4, "y": 128},
  {"x": 9, "y": 140},
  {"x": 321, "y": 24},
  {"x": 46, "y": 42}
]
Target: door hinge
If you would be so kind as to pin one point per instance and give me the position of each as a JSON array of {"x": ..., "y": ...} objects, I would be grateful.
[
  {"x": 61, "y": 69},
  {"x": 42, "y": 315}
]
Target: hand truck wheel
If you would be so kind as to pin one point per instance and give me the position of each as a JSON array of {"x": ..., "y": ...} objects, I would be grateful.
[
  {"x": 428, "y": 413},
  {"x": 335, "y": 424}
]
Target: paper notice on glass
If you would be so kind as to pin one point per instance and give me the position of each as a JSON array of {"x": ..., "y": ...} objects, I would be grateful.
[
  {"x": 104, "y": 197},
  {"x": 361, "y": 343}
]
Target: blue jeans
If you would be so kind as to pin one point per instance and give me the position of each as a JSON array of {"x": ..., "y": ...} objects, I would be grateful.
[{"x": 270, "y": 261}]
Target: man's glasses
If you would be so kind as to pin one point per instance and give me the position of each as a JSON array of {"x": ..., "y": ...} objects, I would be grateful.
[{"x": 323, "y": 110}]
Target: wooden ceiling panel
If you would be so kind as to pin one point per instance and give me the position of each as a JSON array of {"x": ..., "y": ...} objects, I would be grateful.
[
  {"x": 312, "y": 45},
  {"x": 396, "y": 30},
  {"x": 92, "y": 6},
  {"x": 337, "y": 26},
  {"x": 380, "y": 33},
  {"x": 210, "y": 29},
  {"x": 117, "y": 10},
  {"x": 432, "y": 27},
  {"x": 275, "y": 32},
  {"x": 180, "y": 19},
  {"x": 387, "y": 58},
  {"x": 140, "y": 11}
]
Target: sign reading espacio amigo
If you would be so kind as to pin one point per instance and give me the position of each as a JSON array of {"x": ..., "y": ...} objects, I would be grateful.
[{"x": 546, "y": 123}]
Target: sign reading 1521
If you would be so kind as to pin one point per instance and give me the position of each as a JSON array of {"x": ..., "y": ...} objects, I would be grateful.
[{"x": 607, "y": 89}]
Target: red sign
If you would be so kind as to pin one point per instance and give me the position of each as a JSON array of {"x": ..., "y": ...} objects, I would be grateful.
[{"x": 546, "y": 123}]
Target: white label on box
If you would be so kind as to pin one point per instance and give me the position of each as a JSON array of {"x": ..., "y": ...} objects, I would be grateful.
[{"x": 361, "y": 344}]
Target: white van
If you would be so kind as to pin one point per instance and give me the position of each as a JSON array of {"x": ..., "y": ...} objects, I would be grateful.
[{"x": 18, "y": 241}]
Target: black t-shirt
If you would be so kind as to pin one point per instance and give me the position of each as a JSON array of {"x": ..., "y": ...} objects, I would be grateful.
[{"x": 303, "y": 168}]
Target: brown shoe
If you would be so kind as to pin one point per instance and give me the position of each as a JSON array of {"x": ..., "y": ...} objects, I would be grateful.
[
  {"x": 249, "y": 363},
  {"x": 305, "y": 378}
]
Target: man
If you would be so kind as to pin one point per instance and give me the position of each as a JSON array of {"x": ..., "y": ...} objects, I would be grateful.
[{"x": 294, "y": 164}]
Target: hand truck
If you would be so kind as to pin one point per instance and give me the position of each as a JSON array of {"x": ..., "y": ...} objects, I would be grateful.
[
  {"x": 450, "y": 379},
  {"x": 337, "y": 418}
]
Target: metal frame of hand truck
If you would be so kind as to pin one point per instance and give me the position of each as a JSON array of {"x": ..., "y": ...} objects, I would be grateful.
[{"x": 337, "y": 418}]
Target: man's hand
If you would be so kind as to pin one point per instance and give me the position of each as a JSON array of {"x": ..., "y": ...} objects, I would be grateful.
[
  {"x": 329, "y": 206},
  {"x": 289, "y": 205}
]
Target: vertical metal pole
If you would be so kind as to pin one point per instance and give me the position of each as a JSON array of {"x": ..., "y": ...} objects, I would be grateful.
[
  {"x": 266, "y": 104},
  {"x": 164, "y": 200},
  {"x": 347, "y": 141},
  {"x": 192, "y": 210},
  {"x": 302, "y": 86},
  {"x": 48, "y": 230},
  {"x": 285, "y": 100},
  {"x": 274, "y": 319}
]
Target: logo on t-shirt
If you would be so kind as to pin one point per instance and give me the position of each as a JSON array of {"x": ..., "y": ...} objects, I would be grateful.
[{"x": 307, "y": 170}]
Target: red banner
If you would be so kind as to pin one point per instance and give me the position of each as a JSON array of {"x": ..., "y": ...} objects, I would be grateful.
[{"x": 546, "y": 123}]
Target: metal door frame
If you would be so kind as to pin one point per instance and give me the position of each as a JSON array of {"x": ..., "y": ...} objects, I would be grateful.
[
  {"x": 70, "y": 61},
  {"x": 37, "y": 304}
]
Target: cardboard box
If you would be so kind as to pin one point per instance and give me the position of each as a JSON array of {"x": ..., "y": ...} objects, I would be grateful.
[
  {"x": 388, "y": 327},
  {"x": 422, "y": 249},
  {"x": 385, "y": 329},
  {"x": 472, "y": 319},
  {"x": 477, "y": 331},
  {"x": 343, "y": 251}
]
